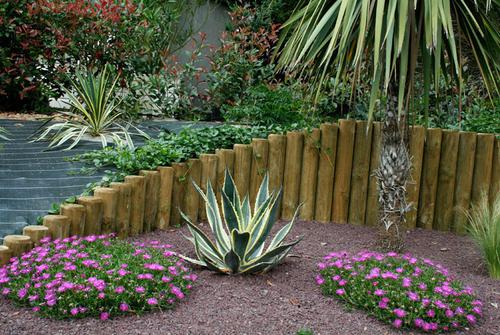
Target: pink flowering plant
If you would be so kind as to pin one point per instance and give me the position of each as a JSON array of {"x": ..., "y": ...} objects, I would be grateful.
[
  {"x": 96, "y": 276},
  {"x": 400, "y": 289}
]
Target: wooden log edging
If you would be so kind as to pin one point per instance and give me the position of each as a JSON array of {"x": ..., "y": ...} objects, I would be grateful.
[
  {"x": 329, "y": 170},
  {"x": 5, "y": 254},
  {"x": 17, "y": 244}
]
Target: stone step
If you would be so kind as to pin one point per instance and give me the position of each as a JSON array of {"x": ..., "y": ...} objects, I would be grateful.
[
  {"x": 35, "y": 192},
  {"x": 49, "y": 182},
  {"x": 41, "y": 203}
]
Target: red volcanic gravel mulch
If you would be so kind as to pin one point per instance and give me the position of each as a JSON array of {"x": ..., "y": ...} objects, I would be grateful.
[{"x": 280, "y": 302}]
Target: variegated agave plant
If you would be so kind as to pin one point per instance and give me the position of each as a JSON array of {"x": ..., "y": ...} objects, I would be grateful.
[{"x": 240, "y": 238}]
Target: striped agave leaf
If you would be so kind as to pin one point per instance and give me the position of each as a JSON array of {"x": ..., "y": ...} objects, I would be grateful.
[{"x": 240, "y": 234}]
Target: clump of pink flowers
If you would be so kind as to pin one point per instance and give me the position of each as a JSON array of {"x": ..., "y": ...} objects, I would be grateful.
[
  {"x": 402, "y": 290},
  {"x": 96, "y": 276}
]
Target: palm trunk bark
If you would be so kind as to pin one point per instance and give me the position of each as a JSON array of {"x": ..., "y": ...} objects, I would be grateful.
[{"x": 392, "y": 177}]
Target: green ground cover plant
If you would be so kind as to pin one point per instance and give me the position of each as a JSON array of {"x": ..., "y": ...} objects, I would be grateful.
[
  {"x": 484, "y": 227},
  {"x": 97, "y": 276},
  {"x": 405, "y": 291},
  {"x": 240, "y": 234}
]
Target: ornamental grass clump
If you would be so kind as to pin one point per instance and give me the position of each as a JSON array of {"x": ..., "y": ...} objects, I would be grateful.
[
  {"x": 400, "y": 289},
  {"x": 96, "y": 276},
  {"x": 484, "y": 228}
]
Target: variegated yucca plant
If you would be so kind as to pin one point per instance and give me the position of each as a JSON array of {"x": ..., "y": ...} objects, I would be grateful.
[{"x": 241, "y": 234}]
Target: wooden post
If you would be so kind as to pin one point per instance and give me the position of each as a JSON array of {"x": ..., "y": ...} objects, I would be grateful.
[
  {"x": 137, "y": 200},
  {"x": 225, "y": 159},
  {"x": 417, "y": 142},
  {"x": 428, "y": 186},
  {"x": 76, "y": 216},
  {"x": 360, "y": 173},
  {"x": 242, "y": 166},
  {"x": 208, "y": 174},
  {"x": 93, "y": 215},
  {"x": 58, "y": 226},
  {"x": 293, "y": 171},
  {"x": 165, "y": 199},
  {"x": 192, "y": 197},
  {"x": 18, "y": 244},
  {"x": 495, "y": 173},
  {"x": 463, "y": 182},
  {"x": 123, "y": 208},
  {"x": 36, "y": 233},
  {"x": 152, "y": 189},
  {"x": 109, "y": 198},
  {"x": 5, "y": 254},
  {"x": 309, "y": 175},
  {"x": 371, "y": 218},
  {"x": 276, "y": 166},
  {"x": 343, "y": 168},
  {"x": 482, "y": 166},
  {"x": 443, "y": 215},
  {"x": 178, "y": 192},
  {"x": 326, "y": 172},
  {"x": 260, "y": 156}
]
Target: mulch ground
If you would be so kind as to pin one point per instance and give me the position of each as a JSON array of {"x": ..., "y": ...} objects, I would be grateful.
[{"x": 280, "y": 302}]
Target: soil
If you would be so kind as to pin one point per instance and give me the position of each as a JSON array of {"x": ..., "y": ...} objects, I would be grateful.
[{"x": 282, "y": 301}]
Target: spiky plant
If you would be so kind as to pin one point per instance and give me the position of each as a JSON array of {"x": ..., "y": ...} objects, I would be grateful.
[
  {"x": 93, "y": 113},
  {"x": 484, "y": 227},
  {"x": 240, "y": 238}
]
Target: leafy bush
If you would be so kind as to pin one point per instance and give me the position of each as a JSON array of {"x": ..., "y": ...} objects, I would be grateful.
[
  {"x": 240, "y": 238},
  {"x": 44, "y": 39},
  {"x": 171, "y": 147},
  {"x": 484, "y": 227},
  {"x": 400, "y": 289},
  {"x": 265, "y": 105},
  {"x": 96, "y": 276},
  {"x": 93, "y": 112}
]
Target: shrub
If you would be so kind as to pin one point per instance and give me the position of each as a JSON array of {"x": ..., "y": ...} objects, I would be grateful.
[
  {"x": 240, "y": 238},
  {"x": 484, "y": 227},
  {"x": 264, "y": 105},
  {"x": 96, "y": 276},
  {"x": 44, "y": 39},
  {"x": 400, "y": 289}
]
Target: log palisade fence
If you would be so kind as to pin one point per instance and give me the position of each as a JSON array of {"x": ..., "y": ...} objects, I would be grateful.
[{"x": 329, "y": 170}]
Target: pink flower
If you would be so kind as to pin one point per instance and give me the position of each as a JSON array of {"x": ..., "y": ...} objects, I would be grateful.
[
  {"x": 477, "y": 310},
  {"x": 124, "y": 307},
  {"x": 177, "y": 291},
  {"x": 104, "y": 316},
  {"x": 400, "y": 313},
  {"x": 397, "y": 323},
  {"x": 154, "y": 266},
  {"x": 101, "y": 295},
  {"x": 378, "y": 292},
  {"x": 342, "y": 282},
  {"x": 471, "y": 319},
  {"x": 449, "y": 313},
  {"x": 406, "y": 282},
  {"x": 321, "y": 266},
  {"x": 74, "y": 311},
  {"x": 140, "y": 289},
  {"x": 122, "y": 272},
  {"x": 340, "y": 291},
  {"x": 431, "y": 313},
  {"x": 413, "y": 296},
  {"x": 319, "y": 280},
  {"x": 120, "y": 289},
  {"x": 152, "y": 301}
]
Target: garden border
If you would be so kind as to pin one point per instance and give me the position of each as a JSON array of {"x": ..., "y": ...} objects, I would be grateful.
[{"x": 323, "y": 169}]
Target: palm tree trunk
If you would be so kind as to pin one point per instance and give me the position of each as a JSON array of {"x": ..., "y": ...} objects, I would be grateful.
[{"x": 392, "y": 177}]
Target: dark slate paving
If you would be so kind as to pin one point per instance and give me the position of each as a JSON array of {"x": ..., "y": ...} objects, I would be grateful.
[{"x": 32, "y": 177}]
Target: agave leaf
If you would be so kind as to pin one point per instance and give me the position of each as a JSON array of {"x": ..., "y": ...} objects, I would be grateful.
[
  {"x": 213, "y": 216},
  {"x": 246, "y": 213},
  {"x": 276, "y": 252},
  {"x": 262, "y": 229},
  {"x": 263, "y": 193},
  {"x": 206, "y": 244},
  {"x": 232, "y": 261},
  {"x": 230, "y": 190},
  {"x": 231, "y": 217},
  {"x": 240, "y": 242},
  {"x": 283, "y": 232},
  {"x": 257, "y": 268}
]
